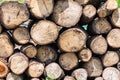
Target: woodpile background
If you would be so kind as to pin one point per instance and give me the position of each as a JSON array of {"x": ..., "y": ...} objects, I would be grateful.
[{"x": 60, "y": 40}]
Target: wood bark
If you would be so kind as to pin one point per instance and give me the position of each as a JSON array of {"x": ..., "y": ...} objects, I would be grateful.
[
  {"x": 68, "y": 61},
  {"x": 40, "y": 8},
  {"x": 13, "y": 14},
  {"x": 18, "y": 63},
  {"x": 98, "y": 45},
  {"x": 110, "y": 58},
  {"x": 94, "y": 67},
  {"x": 46, "y": 54},
  {"x": 113, "y": 38},
  {"x": 85, "y": 54},
  {"x": 1, "y": 28},
  {"x": 44, "y": 32},
  {"x": 118, "y": 65},
  {"x": 29, "y": 50},
  {"x": 80, "y": 74},
  {"x": 67, "y": 13},
  {"x": 6, "y": 46},
  {"x": 72, "y": 40},
  {"x": 35, "y": 69},
  {"x": 21, "y": 35},
  {"x": 111, "y": 73}
]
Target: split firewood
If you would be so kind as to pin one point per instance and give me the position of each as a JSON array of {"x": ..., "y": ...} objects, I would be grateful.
[
  {"x": 72, "y": 40},
  {"x": 118, "y": 65},
  {"x": 53, "y": 71},
  {"x": 98, "y": 45},
  {"x": 99, "y": 78},
  {"x": 67, "y": 13},
  {"x": 80, "y": 74},
  {"x": 18, "y": 63},
  {"x": 12, "y": 76},
  {"x": 68, "y": 61},
  {"x": 110, "y": 58},
  {"x": 94, "y": 67},
  {"x": 35, "y": 69},
  {"x": 111, "y": 73},
  {"x": 6, "y": 47},
  {"x": 69, "y": 78},
  {"x": 40, "y": 8},
  {"x": 100, "y": 26},
  {"x": 113, "y": 38},
  {"x": 29, "y": 50},
  {"x": 82, "y": 2},
  {"x": 115, "y": 18},
  {"x": 89, "y": 11},
  {"x": 21, "y": 35},
  {"x": 13, "y": 14},
  {"x": 3, "y": 68},
  {"x": 85, "y": 54},
  {"x": 44, "y": 32},
  {"x": 46, "y": 54}
]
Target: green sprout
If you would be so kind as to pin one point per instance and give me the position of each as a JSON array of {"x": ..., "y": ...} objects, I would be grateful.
[
  {"x": 20, "y": 1},
  {"x": 118, "y": 1}
]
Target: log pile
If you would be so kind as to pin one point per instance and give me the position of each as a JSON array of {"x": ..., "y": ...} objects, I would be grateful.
[{"x": 60, "y": 40}]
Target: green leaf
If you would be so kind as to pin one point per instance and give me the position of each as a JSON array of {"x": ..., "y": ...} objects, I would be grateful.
[
  {"x": 1, "y": 0},
  {"x": 21, "y": 1},
  {"x": 51, "y": 75},
  {"x": 118, "y": 1}
]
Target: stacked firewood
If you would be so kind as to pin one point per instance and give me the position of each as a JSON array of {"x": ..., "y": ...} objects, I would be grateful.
[{"x": 60, "y": 40}]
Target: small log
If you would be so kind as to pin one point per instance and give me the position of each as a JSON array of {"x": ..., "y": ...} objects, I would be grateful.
[
  {"x": 18, "y": 63},
  {"x": 53, "y": 71},
  {"x": 46, "y": 54},
  {"x": 3, "y": 68},
  {"x": 85, "y": 54},
  {"x": 12, "y": 76},
  {"x": 44, "y": 32},
  {"x": 100, "y": 26},
  {"x": 94, "y": 67},
  {"x": 35, "y": 69},
  {"x": 13, "y": 14},
  {"x": 115, "y": 20},
  {"x": 69, "y": 78},
  {"x": 89, "y": 11},
  {"x": 113, "y": 38},
  {"x": 29, "y": 50},
  {"x": 110, "y": 58},
  {"x": 21, "y": 35},
  {"x": 40, "y": 8},
  {"x": 68, "y": 61},
  {"x": 80, "y": 74},
  {"x": 35, "y": 79},
  {"x": 98, "y": 78},
  {"x": 118, "y": 66},
  {"x": 111, "y": 73},
  {"x": 6, "y": 47},
  {"x": 72, "y": 40},
  {"x": 82, "y": 2},
  {"x": 64, "y": 12},
  {"x": 98, "y": 45}
]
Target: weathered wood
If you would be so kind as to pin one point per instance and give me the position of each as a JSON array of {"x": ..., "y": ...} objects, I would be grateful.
[
  {"x": 113, "y": 38},
  {"x": 85, "y": 54},
  {"x": 98, "y": 45},
  {"x": 18, "y": 63},
  {"x": 100, "y": 26},
  {"x": 94, "y": 67},
  {"x": 72, "y": 40},
  {"x": 67, "y": 13},
  {"x": 21, "y": 35},
  {"x": 111, "y": 73},
  {"x": 35, "y": 69},
  {"x": 89, "y": 11},
  {"x": 29, "y": 50},
  {"x": 40, "y": 8},
  {"x": 110, "y": 58},
  {"x": 44, "y": 32},
  {"x": 6, "y": 46},
  {"x": 80, "y": 74},
  {"x": 46, "y": 54},
  {"x": 68, "y": 61},
  {"x": 69, "y": 78},
  {"x": 12, "y": 76},
  {"x": 53, "y": 71},
  {"x": 13, "y": 14}
]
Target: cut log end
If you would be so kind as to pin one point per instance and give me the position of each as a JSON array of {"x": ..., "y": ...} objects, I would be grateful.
[
  {"x": 98, "y": 78},
  {"x": 69, "y": 78}
]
